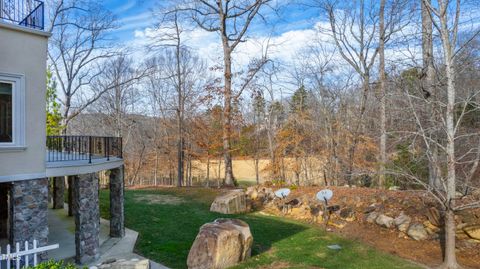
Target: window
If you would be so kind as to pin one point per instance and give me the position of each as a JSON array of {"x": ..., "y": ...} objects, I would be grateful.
[
  {"x": 6, "y": 120},
  {"x": 12, "y": 111}
]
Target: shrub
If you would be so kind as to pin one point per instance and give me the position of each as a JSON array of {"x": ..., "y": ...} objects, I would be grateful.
[{"x": 51, "y": 264}]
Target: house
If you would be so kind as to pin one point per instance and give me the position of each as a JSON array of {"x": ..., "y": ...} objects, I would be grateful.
[{"x": 30, "y": 161}]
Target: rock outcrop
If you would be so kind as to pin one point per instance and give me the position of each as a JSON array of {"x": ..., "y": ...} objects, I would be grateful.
[
  {"x": 385, "y": 221},
  {"x": 402, "y": 222},
  {"x": 417, "y": 231},
  {"x": 220, "y": 244},
  {"x": 473, "y": 231}
]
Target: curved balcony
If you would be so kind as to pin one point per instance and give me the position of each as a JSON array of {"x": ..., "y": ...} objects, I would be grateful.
[
  {"x": 71, "y": 155},
  {"x": 27, "y": 13}
]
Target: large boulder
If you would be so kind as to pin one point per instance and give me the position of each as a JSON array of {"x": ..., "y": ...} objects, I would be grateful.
[
  {"x": 417, "y": 231},
  {"x": 232, "y": 202},
  {"x": 220, "y": 244}
]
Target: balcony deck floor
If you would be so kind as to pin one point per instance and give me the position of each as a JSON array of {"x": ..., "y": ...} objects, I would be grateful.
[{"x": 65, "y": 164}]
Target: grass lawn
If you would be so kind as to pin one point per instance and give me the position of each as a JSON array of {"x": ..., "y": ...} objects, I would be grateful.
[{"x": 168, "y": 221}]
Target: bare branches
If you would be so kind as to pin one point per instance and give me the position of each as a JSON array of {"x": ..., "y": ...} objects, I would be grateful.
[{"x": 77, "y": 46}]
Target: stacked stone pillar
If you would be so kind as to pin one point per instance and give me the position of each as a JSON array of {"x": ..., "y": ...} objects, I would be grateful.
[
  {"x": 58, "y": 192},
  {"x": 87, "y": 218},
  {"x": 29, "y": 202},
  {"x": 117, "y": 217}
]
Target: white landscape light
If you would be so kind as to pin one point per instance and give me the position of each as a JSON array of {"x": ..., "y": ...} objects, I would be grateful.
[{"x": 282, "y": 193}]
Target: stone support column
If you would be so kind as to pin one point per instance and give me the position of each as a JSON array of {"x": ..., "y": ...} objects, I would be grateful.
[
  {"x": 117, "y": 216},
  {"x": 87, "y": 218},
  {"x": 58, "y": 192},
  {"x": 29, "y": 205}
]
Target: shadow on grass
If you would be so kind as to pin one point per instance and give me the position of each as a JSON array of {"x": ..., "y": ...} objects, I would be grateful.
[
  {"x": 167, "y": 231},
  {"x": 268, "y": 230}
]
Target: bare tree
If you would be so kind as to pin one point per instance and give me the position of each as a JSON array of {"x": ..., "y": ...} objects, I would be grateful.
[
  {"x": 443, "y": 128},
  {"x": 231, "y": 19},
  {"x": 428, "y": 87},
  {"x": 171, "y": 37},
  {"x": 446, "y": 23},
  {"x": 382, "y": 86},
  {"x": 118, "y": 83},
  {"x": 182, "y": 73},
  {"x": 353, "y": 29},
  {"x": 78, "y": 43}
]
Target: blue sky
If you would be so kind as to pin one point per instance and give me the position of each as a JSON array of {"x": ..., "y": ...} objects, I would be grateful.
[
  {"x": 288, "y": 34},
  {"x": 136, "y": 15}
]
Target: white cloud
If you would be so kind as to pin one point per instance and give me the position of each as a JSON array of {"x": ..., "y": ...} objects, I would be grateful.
[
  {"x": 282, "y": 47},
  {"x": 135, "y": 22},
  {"x": 125, "y": 7}
]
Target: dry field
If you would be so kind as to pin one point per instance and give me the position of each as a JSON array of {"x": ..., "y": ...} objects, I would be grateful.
[{"x": 244, "y": 169}]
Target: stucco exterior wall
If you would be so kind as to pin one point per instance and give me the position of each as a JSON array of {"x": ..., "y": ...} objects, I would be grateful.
[{"x": 24, "y": 52}]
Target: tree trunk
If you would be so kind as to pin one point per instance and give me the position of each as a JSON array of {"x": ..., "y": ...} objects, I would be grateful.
[
  {"x": 227, "y": 110},
  {"x": 156, "y": 167},
  {"x": 180, "y": 110},
  {"x": 383, "y": 116},
  {"x": 273, "y": 165},
  {"x": 208, "y": 171},
  {"x": 356, "y": 131},
  {"x": 428, "y": 86},
  {"x": 257, "y": 173},
  {"x": 450, "y": 260},
  {"x": 219, "y": 170}
]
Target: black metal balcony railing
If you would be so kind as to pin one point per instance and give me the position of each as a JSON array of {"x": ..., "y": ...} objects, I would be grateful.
[
  {"x": 77, "y": 148},
  {"x": 28, "y": 13}
]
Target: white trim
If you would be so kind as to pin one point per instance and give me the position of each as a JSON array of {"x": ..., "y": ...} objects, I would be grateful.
[
  {"x": 59, "y": 170},
  {"x": 20, "y": 28},
  {"x": 12, "y": 148},
  {"x": 18, "y": 109},
  {"x": 20, "y": 177}
]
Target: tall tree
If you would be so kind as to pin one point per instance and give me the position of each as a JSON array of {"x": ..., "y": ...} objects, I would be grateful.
[
  {"x": 382, "y": 93},
  {"x": 79, "y": 41},
  {"x": 442, "y": 132},
  {"x": 171, "y": 38},
  {"x": 353, "y": 28},
  {"x": 428, "y": 87},
  {"x": 258, "y": 121},
  {"x": 353, "y": 31},
  {"x": 448, "y": 37},
  {"x": 231, "y": 19}
]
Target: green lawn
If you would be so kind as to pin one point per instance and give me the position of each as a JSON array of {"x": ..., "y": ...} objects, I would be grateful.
[{"x": 167, "y": 231}]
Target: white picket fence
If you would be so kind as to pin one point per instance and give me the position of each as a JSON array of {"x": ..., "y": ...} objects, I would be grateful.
[{"x": 14, "y": 258}]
